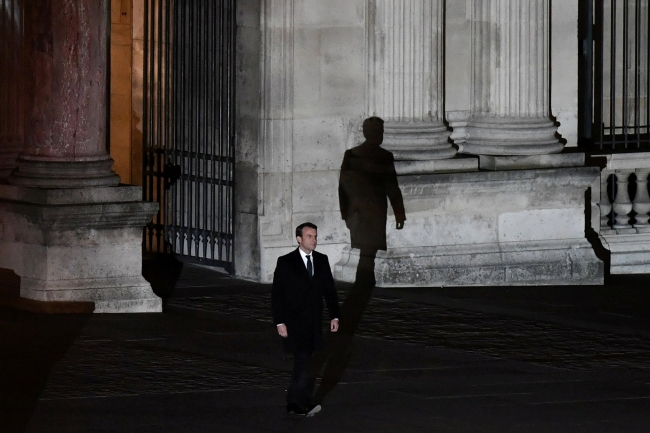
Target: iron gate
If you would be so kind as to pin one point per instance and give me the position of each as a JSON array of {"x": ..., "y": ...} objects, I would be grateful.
[
  {"x": 188, "y": 128},
  {"x": 615, "y": 83}
]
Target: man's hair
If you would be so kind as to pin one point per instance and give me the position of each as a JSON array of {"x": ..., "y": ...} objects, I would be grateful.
[
  {"x": 373, "y": 127},
  {"x": 302, "y": 226}
]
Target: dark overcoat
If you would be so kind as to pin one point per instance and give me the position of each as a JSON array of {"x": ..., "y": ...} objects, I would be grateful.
[
  {"x": 297, "y": 300},
  {"x": 367, "y": 178}
]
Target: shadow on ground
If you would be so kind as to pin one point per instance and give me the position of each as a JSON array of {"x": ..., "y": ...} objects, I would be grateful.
[
  {"x": 162, "y": 271},
  {"x": 30, "y": 346}
]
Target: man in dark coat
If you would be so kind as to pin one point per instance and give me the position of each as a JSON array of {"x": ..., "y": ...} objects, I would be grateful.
[{"x": 301, "y": 281}]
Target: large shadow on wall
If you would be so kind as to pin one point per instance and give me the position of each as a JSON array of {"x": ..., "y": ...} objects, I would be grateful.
[{"x": 367, "y": 179}]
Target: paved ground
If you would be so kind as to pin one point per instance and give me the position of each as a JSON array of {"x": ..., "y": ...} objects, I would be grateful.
[{"x": 541, "y": 359}]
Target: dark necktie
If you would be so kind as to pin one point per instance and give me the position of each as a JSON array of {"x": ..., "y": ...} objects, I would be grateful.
[{"x": 310, "y": 269}]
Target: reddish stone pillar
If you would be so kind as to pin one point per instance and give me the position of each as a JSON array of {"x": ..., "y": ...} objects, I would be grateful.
[
  {"x": 65, "y": 70},
  {"x": 67, "y": 229}
]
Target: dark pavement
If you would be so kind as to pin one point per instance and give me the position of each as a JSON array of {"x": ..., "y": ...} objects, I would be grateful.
[{"x": 486, "y": 359}]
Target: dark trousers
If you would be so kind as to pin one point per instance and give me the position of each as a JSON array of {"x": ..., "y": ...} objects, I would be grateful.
[{"x": 301, "y": 388}]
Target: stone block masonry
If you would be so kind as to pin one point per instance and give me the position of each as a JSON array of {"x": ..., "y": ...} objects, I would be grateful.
[{"x": 520, "y": 227}]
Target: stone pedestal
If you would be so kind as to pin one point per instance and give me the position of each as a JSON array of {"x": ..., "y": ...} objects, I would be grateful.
[
  {"x": 82, "y": 244},
  {"x": 504, "y": 228}
]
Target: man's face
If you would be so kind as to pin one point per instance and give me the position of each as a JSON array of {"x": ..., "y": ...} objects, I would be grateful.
[{"x": 308, "y": 240}]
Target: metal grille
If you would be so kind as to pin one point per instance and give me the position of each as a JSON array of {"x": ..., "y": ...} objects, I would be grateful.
[
  {"x": 189, "y": 128},
  {"x": 614, "y": 74}
]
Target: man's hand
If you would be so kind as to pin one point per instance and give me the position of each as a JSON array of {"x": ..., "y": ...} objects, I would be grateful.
[
  {"x": 400, "y": 225},
  {"x": 334, "y": 325},
  {"x": 282, "y": 330}
]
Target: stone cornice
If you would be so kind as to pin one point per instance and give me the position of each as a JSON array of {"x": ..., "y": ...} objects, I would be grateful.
[{"x": 496, "y": 181}]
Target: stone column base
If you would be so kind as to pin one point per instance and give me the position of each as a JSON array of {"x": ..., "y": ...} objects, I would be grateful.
[
  {"x": 417, "y": 141},
  {"x": 510, "y": 136},
  {"x": 78, "y": 245}
]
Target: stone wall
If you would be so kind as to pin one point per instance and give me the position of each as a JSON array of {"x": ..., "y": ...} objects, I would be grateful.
[
  {"x": 247, "y": 147},
  {"x": 313, "y": 84},
  {"x": 318, "y": 63}
]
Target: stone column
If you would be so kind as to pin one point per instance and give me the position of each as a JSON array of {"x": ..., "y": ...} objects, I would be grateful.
[
  {"x": 11, "y": 125},
  {"x": 510, "y": 113},
  {"x": 67, "y": 230},
  {"x": 405, "y": 81},
  {"x": 65, "y": 71}
]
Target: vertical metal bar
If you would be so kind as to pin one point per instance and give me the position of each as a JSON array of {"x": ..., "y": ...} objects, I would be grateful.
[
  {"x": 188, "y": 132},
  {"x": 190, "y": 127},
  {"x": 599, "y": 65},
  {"x": 221, "y": 132},
  {"x": 177, "y": 190},
  {"x": 145, "y": 83},
  {"x": 7, "y": 66},
  {"x": 612, "y": 79},
  {"x": 182, "y": 119},
  {"x": 158, "y": 145},
  {"x": 213, "y": 130},
  {"x": 172, "y": 228},
  {"x": 228, "y": 162},
  {"x": 586, "y": 67},
  {"x": 145, "y": 113},
  {"x": 153, "y": 118},
  {"x": 169, "y": 34},
  {"x": 207, "y": 96},
  {"x": 197, "y": 125},
  {"x": 637, "y": 72},
  {"x": 625, "y": 73},
  {"x": 231, "y": 135},
  {"x": 199, "y": 132},
  {"x": 150, "y": 109}
]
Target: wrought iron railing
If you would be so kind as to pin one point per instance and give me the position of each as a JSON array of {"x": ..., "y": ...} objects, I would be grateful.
[
  {"x": 615, "y": 83},
  {"x": 189, "y": 128}
]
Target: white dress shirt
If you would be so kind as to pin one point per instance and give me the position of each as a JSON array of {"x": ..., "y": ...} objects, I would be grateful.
[{"x": 304, "y": 259}]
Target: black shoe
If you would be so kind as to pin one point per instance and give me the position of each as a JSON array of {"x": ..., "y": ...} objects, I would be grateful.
[
  {"x": 296, "y": 409},
  {"x": 312, "y": 410}
]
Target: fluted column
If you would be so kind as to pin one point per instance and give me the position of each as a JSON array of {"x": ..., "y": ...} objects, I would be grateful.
[
  {"x": 405, "y": 82},
  {"x": 65, "y": 71},
  {"x": 510, "y": 113},
  {"x": 11, "y": 124}
]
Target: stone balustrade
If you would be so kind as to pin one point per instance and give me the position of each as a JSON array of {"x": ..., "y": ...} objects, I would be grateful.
[{"x": 624, "y": 207}]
